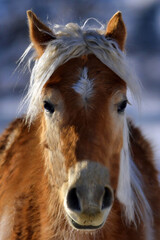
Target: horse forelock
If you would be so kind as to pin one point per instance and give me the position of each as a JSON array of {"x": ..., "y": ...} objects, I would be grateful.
[{"x": 73, "y": 41}]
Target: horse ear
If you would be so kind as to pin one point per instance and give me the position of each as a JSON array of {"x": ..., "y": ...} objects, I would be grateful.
[
  {"x": 40, "y": 34},
  {"x": 116, "y": 30}
]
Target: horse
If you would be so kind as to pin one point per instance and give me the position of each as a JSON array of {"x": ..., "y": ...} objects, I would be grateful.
[{"x": 75, "y": 167}]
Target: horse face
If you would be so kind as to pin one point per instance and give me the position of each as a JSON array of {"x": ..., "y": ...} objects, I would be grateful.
[{"x": 84, "y": 104}]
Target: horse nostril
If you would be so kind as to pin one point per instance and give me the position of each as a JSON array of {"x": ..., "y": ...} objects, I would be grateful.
[
  {"x": 107, "y": 198},
  {"x": 72, "y": 200}
]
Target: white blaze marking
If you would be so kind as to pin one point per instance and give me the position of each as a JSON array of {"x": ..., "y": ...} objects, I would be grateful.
[{"x": 84, "y": 86}]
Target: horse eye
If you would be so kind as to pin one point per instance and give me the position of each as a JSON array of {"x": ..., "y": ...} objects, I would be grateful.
[
  {"x": 48, "y": 107},
  {"x": 122, "y": 106}
]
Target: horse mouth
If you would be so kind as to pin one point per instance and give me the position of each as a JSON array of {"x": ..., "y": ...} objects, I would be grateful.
[{"x": 84, "y": 227}]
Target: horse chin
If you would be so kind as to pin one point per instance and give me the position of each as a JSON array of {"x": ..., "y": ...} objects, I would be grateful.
[{"x": 77, "y": 226}]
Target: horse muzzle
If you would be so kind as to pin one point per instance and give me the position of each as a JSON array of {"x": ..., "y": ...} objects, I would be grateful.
[{"x": 89, "y": 196}]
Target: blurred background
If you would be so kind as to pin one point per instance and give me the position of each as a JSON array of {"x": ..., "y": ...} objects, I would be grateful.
[{"x": 142, "y": 18}]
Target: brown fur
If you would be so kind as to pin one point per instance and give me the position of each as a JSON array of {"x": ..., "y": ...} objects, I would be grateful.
[
  {"x": 26, "y": 188},
  {"x": 79, "y": 118},
  {"x": 35, "y": 162}
]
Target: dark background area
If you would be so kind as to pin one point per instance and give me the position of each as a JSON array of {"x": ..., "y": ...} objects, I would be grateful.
[{"x": 142, "y": 18}]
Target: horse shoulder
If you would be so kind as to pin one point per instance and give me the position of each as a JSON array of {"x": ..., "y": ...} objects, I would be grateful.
[
  {"x": 20, "y": 152},
  {"x": 142, "y": 154},
  {"x": 20, "y": 171}
]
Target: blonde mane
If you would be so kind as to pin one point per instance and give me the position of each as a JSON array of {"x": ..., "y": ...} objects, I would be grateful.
[{"x": 73, "y": 41}]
